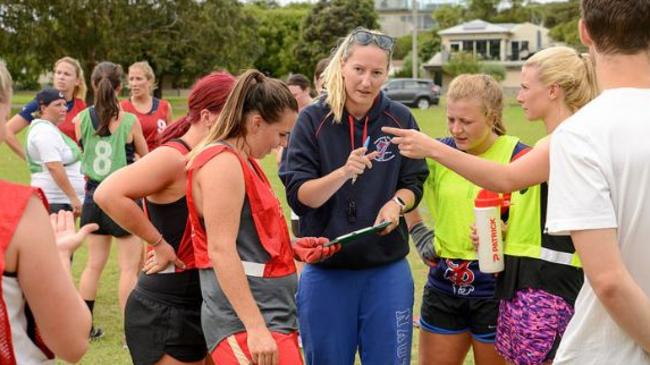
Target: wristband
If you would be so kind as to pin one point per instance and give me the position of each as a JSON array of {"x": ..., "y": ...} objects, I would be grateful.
[
  {"x": 400, "y": 202},
  {"x": 158, "y": 241}
]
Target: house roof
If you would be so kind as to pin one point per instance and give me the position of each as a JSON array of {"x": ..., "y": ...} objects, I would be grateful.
[{"x": 478, "y": 26}]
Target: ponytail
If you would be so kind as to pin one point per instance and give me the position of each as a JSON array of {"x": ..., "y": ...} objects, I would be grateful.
[
  {"x": 176, "y": 129},
  {"x": 253, "y": 92},
  {"x": 209, "y": 92},
  {"x": 106, "y": 79},
  {"x": 572, "y": 71}
]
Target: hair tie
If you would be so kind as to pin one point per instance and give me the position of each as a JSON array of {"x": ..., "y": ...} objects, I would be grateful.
[{"x": 259, "y": 77}]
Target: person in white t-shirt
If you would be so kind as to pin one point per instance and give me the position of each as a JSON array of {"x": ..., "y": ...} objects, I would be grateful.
[
  {"x": 599, "y": 190},
  {"x": 36, "y": 272},
  {"x": 53, "y": 157}
]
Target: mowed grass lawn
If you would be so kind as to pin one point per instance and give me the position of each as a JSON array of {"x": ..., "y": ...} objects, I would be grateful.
[{"x": 109, "y": 349}]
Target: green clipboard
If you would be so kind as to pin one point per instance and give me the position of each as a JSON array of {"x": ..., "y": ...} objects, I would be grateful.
[{"x": 349, "y": 237}]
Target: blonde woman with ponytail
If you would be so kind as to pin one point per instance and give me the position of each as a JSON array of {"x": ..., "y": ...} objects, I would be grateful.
[
  {"x": 240, "y": 237},
  {"x": 342, "y": 174},
  {"x": 542, "y": 273},
  {"x": 109, "y": 138}
]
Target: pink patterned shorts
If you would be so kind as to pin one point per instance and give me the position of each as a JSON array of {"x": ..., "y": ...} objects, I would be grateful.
[{"x": 530, "y": 326}]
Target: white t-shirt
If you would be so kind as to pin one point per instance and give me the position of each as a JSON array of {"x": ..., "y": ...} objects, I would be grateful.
[
  {"x": 45, "y": 144},
  {"x": 600, "y": 178}
]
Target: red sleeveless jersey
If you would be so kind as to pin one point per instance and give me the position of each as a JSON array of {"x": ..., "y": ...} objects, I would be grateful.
[
  {"x": 66, "y": 126},
  {"x": 14, "y": 200},
  {"x": 153, "y": 123},
  {"x": 270, "y": 224}
]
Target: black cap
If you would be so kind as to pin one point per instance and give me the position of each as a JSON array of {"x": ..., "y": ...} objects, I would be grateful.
[{"x": 48, "y": 95}]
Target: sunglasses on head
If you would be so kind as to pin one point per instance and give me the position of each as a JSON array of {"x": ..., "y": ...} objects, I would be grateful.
[{"x": 365, "y": 37}]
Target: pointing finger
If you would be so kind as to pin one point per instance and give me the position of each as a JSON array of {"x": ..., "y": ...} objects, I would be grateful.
[
  {"x": 372, "y": 155},
  {"x": 393, "y": 131}
]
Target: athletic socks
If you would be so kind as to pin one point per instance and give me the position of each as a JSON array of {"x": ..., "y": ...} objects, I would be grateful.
[
  {"x": 95, "y": 333},
  {"x": 91, "y": 305}
]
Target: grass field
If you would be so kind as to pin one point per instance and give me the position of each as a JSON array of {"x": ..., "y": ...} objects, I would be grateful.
[{"x": 109, "y": 350}]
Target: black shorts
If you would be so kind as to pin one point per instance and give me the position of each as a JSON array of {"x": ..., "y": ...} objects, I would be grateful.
[
  {"x": 154, "y": 328},
  {"x": 92, "y": 213},
  {"x": 55, "y": 207},
  {"x": 445, "y": 314}
]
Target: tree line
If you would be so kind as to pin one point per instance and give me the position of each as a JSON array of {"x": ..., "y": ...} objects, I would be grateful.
[{"x": 183, "y": 39}]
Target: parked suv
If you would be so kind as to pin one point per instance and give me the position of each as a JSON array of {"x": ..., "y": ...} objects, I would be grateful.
[{"x": 419, "y": 93}]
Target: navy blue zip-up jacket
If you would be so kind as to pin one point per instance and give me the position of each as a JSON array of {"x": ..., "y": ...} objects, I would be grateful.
[{"x": 319, "y": 146}]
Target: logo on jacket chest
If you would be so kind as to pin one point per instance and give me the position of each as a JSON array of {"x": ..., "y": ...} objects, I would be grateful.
[{"x": 382, "y": 145}]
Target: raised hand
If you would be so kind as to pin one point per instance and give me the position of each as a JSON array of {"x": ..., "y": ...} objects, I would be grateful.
[
  {"x": 357, "y": 162},
  {"x": 67, "y": 238}
]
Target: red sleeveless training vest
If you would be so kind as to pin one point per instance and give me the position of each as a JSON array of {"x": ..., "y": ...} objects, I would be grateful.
[
  {"x": 14, "y": 200},
  {"x": 153, "y": 123},
  {"x": 267, "y": 215}
]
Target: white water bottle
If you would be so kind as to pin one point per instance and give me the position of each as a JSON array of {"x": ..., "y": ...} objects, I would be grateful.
[{"x": 487, "y": 210}]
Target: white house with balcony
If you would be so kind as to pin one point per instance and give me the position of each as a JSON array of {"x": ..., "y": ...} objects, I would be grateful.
[{"x": 508, "y": 44}]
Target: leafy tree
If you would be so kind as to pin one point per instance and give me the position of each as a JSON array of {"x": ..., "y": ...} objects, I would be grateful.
[
  {"x": 481, "y": 9},
  {"x": 466, "y": 63},
  {"x": 402, "y": 47},
  {"x": 514, "y": 11},
  {"x": 496, "y": 70},
  {"x": 447, "y": 16},
  {"x": 517, "y": 12},
  {"x": 265, "y": 4},
  {"x": 326, "y": 23},
  {"x": 562, "y": 19},
  {"x": 567, "y": 33},
  {"x": 461, "y": 63},
  {"x": 180, "y": 38},
  {"x": 428, "y": 44},
  {"x": 407, "y": 67},
  {"x": 277, "y": 31},
  {"x": 22, "y": 65},
  {"x": 557, "y": 13}
]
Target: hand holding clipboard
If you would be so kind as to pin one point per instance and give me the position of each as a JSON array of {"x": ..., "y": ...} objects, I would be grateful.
[{"x": 355, "y": 235}]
